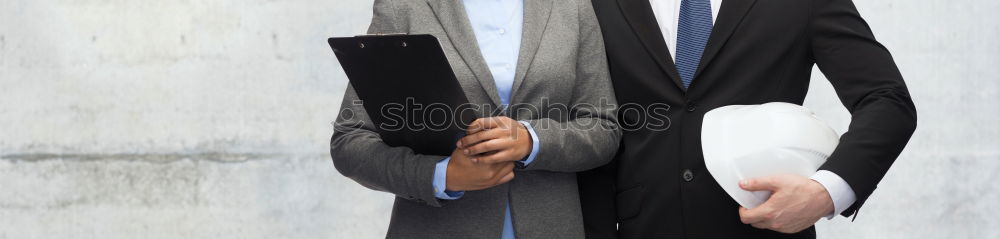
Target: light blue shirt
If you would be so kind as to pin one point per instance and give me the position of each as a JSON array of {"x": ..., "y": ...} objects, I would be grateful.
[{"x": 497, "y": 26}]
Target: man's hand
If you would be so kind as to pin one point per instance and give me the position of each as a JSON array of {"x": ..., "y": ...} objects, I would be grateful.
[
  {"x": 465, "y": 175},
  {"x": 495, "y": 140},
  {"x": 796, "y": 203}
]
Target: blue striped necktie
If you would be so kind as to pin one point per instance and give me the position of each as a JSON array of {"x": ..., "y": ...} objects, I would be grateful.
[{"x": 693, "y": 29}]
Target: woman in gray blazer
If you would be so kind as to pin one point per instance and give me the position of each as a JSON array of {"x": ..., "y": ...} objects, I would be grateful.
[{"x": 544, "y": 61}]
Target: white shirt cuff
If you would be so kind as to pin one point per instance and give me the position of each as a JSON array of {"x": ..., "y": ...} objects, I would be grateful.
[{"x": 840, "y": 192}]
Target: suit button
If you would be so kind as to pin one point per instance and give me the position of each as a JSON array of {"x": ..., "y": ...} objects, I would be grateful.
[
  {"x": 691, "y": 107},
  {"x": 688, "y": 175}
]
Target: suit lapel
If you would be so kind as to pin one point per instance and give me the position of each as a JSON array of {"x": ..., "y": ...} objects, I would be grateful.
[
  {"x": 536, "y": 18},
  {"x": 640, "y": 16},
  {"x": 730, "y": 15},
  {"x": 452, "y": 17}
]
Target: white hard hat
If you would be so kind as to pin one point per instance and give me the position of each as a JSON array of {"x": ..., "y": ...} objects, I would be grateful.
[{"x": 751, "y": 141}]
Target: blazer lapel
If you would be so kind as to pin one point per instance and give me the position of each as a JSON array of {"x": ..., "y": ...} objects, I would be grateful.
[
  {"x": 731, "y": 13},
  {"x": 536, "y": 18},
  {"x": 639, "y": 15},
  {"x": 452, "y": 17}
]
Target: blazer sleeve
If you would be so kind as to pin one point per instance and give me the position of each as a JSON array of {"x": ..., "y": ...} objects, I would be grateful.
[
  {"x": 590, "y": 136},
  {"x": 358, "y": 151},
  {"x": 868, "y": 83}
]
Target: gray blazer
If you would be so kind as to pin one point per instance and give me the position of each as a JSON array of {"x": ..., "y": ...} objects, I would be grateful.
[{"x": 561, "y": 88}]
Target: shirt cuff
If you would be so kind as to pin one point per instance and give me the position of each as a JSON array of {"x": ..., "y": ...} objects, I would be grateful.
[
  {"x": 440, "y": 178},
  {"x": 840, "y": 192},
  {"x": 534, "y": 143}
]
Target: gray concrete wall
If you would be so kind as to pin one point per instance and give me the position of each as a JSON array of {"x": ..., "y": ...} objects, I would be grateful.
[{"x": 210, "y": 119}]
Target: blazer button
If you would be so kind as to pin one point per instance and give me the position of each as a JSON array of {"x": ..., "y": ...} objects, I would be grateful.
[
  {"x": 688, "y": 175},
  {"x": 691, "y": 107}
]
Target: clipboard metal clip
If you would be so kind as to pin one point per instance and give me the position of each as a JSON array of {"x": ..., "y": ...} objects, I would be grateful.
[
  {"x": 380, "y": 35},
  {"x": 362, "y": 44}
]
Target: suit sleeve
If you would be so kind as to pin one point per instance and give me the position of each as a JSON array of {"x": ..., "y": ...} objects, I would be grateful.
[
  {"x": 868, "y": 83},
  {"x": 358, "y": 151},
  {"x": 589, "y": 138}
]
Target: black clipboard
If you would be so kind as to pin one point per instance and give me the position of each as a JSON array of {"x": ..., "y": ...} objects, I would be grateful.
[{"x": 408, "y": 90}]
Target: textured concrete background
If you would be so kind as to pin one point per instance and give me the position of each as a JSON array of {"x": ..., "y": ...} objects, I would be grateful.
[{"x": 210, "y": 119}]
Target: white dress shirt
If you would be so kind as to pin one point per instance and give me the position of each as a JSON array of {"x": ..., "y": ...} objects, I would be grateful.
[{"x": 667, "y": 13}]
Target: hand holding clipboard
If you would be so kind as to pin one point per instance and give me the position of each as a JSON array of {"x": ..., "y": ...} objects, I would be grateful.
[{"x": 408, "y": 90}]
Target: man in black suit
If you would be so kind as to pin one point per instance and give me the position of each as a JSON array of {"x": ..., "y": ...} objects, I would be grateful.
[{"x": 697, "y": 55}]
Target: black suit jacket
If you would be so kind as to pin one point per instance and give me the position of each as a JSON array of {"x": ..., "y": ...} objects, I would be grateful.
[{"x": 759, "y": 51}]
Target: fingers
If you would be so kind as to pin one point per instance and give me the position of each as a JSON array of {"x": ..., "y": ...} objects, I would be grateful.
[
  {"x": 760, "y": 225},
  {"x": 753, "y": 216},
  {"x": 506, "y": 178},
  {"x": 504, "y": 175},
  {"x": 482, "y": 124},
  {"x": 778, "y": 227},
  {"x": 507, "y": 168},
  {"x": 481, "y": 136},
  {"x": 760, "y": 184},
  {"x": 498, "y": 157},
  {"x": 766, "y": 217},
  {"x": 489, "y": 146}
]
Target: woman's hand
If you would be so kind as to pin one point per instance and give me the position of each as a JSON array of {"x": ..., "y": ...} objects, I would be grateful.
[
  {"x": 495, "y": 140},
  {"x": 465, "y": 175}
]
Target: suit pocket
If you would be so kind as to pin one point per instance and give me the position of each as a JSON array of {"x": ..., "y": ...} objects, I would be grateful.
[{"x": 628, "y": 202}]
